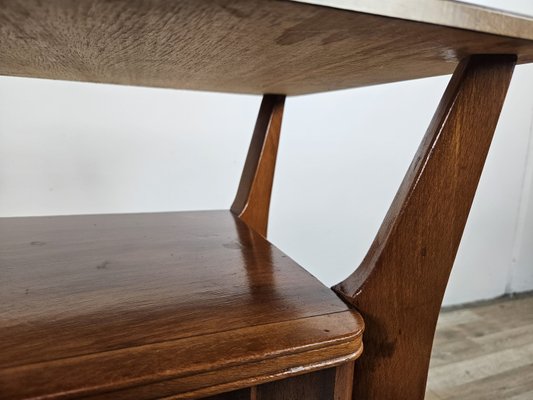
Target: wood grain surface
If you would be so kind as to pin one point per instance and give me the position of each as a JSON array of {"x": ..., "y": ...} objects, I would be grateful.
[
  {"x": 400, "y": 284},
  {"x": 318, "y": 385},
  {"x": 153, "y": 305},
  {"x": 252, "y": 202},
  {"x": 243, "y": 46},
  {"x": 344, "y": 378}
]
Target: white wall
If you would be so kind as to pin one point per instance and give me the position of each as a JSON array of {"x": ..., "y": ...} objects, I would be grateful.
[
  {"x": 344, "y": 155},
  {"x": 69, "y": 148}
]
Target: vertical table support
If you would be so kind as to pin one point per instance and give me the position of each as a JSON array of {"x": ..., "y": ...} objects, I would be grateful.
[
  {"x": 400, "y": 284},
  {"x": 252, "y": 201}
]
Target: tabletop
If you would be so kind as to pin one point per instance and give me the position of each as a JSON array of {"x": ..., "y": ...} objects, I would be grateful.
[{"x": 251, "y": 46}]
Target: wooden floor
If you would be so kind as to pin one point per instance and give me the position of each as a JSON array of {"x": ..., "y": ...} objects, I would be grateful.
[{"x": 484, "y": 352}]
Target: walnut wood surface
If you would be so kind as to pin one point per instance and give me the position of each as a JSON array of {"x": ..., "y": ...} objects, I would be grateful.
[
  {"x": 401, "y": 282},
  {"x": 316, "y": 386},
  {"x": 344, "y": 377},
  {"x": 252, "y": 202},
  {"x": 244, "y": 46},
  {"x": 151, "y": 305}
]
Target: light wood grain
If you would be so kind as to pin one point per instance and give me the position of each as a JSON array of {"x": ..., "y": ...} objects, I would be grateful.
[
  {"x": 243, "y": 46},
  {"x": 151, "y": 305},
  {"x": 486, "y": 358}
]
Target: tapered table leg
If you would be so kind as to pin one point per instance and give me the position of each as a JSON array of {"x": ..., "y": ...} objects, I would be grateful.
[
  {"x": 400, "y": 285},
  {"x": 252, "y": 201}
]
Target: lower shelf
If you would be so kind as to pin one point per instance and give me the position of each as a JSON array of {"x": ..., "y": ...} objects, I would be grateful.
[{"x": 142, "y": 306}]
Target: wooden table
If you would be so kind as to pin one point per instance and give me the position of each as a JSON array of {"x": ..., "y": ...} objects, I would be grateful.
[{"x": 196, "y": 304}]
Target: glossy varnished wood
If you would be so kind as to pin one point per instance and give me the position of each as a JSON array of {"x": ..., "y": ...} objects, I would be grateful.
[
  {"x": 152, "y": 305},
  {"x": 344, "y": 377},
  {"x": 190, "y": 305},
  {"x": 246, "y": 46},
  {"x": 401, "y": 282},
  {"x": 252, "y": 202}
]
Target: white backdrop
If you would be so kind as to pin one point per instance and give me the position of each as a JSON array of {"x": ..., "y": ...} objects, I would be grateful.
[{"x": 75, "y": 148}]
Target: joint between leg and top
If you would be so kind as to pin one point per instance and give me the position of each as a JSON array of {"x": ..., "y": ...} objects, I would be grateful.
[{"x": 400, "y": 284}]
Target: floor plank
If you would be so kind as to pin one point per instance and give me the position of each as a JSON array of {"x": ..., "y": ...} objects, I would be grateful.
[
  {"x": 505, "y": 385},
  {"x": 484, "y": 352}
]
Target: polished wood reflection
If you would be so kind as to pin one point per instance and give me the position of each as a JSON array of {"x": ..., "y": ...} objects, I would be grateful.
[
  {"x": 146, "y": 304},
  {"x": 252, "y": 202},
  {"x": 251, "y": 46},
  {"x": 400, "y": 284}
]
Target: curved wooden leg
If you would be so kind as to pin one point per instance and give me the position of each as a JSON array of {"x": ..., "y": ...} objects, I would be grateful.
[
  {"x": 400, "y": 285},
  {"x": 252, "y": 201}
]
